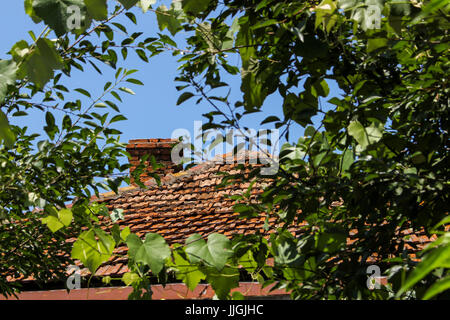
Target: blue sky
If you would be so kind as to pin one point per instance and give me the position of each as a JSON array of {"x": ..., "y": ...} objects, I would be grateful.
[{"x": 152, "y": 112}]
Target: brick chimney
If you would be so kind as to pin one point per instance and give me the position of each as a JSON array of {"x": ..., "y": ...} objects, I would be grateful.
[{"x": 159, "y": 148}]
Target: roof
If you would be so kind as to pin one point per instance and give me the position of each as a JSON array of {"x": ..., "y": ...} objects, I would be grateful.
[
  {"x": 192, "y": 201},
  {"x": 185, "y": 203}
]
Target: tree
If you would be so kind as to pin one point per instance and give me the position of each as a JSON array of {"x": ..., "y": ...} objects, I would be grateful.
[
  {"x": 379, "y": 151},
  {"x": 41, "y": 175}
]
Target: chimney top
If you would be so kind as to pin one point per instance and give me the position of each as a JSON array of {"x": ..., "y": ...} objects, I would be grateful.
[
  {"x": 159, "y": 148},
  {"x": 151, "y": 143}
]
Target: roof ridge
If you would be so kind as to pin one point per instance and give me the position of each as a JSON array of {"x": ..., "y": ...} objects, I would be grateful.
[{"x": 170, "y": 178}]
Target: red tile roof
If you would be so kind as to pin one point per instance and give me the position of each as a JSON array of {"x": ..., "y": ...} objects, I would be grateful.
[
  {"x": 189, "y": 202},
  {"x": 186, "y": 203}
]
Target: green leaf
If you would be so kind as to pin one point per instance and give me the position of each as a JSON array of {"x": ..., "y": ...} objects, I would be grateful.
[
  {"x": 222, "y": 282},
  {"x": 116, "y": 118},
  {"x": 444, "y": 221},
  {"x": 127, "y": 4},
  {"x": 83, "y": 92},
  {"x": 8, "y": 69},
  {"x": 324, "y": 14},
  {"x": 112, "y": 105},
  {"x": 347, "y": 4},
  {"x": 247, "y": 261},
  {"x": 438, "y": 258},
  {"x": 399, "y": 8},
  {"x": 127, "y": 90},
  {"x": 320, "y": 88},
  {"x": 228, "y": 43},
  {"x": 135, "y": 81},
  {"x": 58, "y": 219},
  {"x": 122, "y": 28},
  {"x": 395, "y": 23},
  {"x": 115, "y": 232},
  {"x": 330, "y": 242},
  {"x": 317, "y": 159},
  {"x": 376, "y": 43},
  {"x": 131, "y": 16},
  {"x": 41, "y": 62},
  {"x": 356, "y": 130},
  {"x": 374, "y": 132},
  {"x": 65, "y": 216},
  {"x": 29, "y": 11},
  {"x": 431, "y": 6},
  {"x": 152, "y": 252},
  {"x": 270, "y": 119},
  {"x": 244, "y": 210},
  {"x": 167, "y": 19},
  {"x": 437, "y": 287},
  {"x": 98, "y": 9},
  {"x": 51, "y": 128},
  {"x": 133, "y": 243},
  {"x": 284, "y": 250},
  {"x": 215, "y": 252},
  {"x": 35, "y": 200},
  {"x": 300, "y": 108},
  {"x": 266, "y": 23},
  {"x": 186, "y": 272},
  {"x": 365, "y": 136},
  {"x": 6, "y": 134},
  {"x": 50, "y": 119},
  {"x": 347, "y": 160},
  {"x": 237, "y": 296},
  {"x": 19, "y": 51},
  {"x": 125, "y": 233},
  {"x": 90, "y": 252},
  {"x": 142, "y": 55},
  {"x": 106, "y": 280},
  {"x": 115, "y": 95},
  {"x": 195, "y": 6},
  {"x": 129, "y": 278},
  {"x": 57, "y": 14},
  {"x": 183, "y": 97},
  {"x": 291, "y": 152}
]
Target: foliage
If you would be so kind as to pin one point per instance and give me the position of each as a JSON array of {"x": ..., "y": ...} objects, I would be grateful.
[
  {"x": 41, "y": 175},
  {"x": 374, "y": 168},
  {"x": 379, "y": 151},
  {"x": 436, "y": 258}
]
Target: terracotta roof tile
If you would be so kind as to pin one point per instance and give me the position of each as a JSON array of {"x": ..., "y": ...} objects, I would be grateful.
[{"x": 188, "y": 202}]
